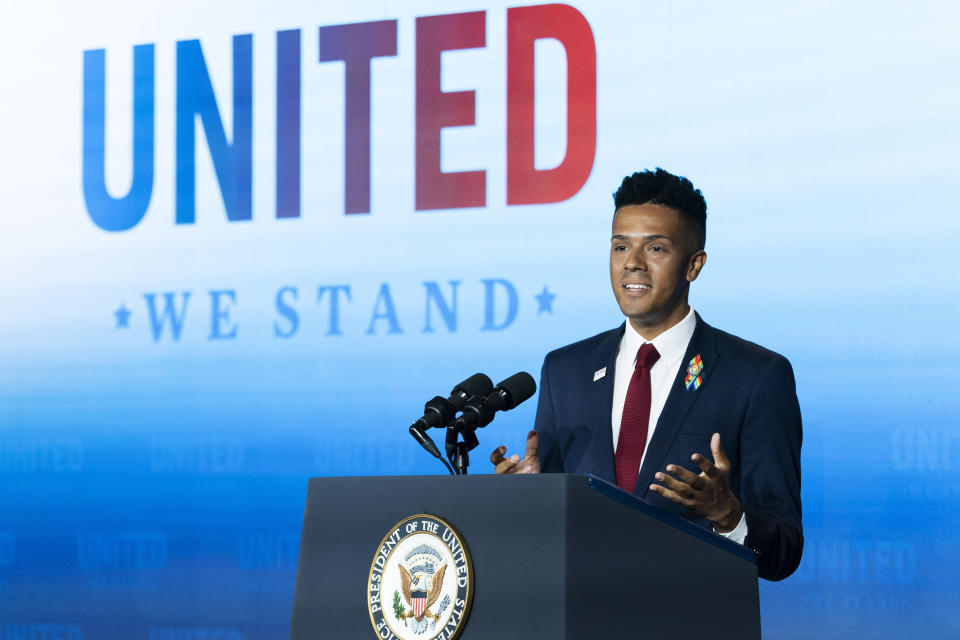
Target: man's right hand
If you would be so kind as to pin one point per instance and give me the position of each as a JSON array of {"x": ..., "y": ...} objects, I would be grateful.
[{"x": 530, "y": 463}]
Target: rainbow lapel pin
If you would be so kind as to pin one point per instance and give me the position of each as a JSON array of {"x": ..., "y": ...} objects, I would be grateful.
[{"x": 694, "y": 369}]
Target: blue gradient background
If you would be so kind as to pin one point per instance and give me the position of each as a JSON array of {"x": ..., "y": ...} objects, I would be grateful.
[{"x": 155, "y": 489}]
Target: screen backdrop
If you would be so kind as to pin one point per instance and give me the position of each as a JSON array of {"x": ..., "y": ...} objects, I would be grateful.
[{"x": 242, "y": 243}]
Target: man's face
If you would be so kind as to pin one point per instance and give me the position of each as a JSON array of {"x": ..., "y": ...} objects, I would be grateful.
[{"x": 653, "y": 259}]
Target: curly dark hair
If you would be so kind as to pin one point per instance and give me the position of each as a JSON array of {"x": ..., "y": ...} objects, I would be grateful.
[{"x": 663, "y": 188}]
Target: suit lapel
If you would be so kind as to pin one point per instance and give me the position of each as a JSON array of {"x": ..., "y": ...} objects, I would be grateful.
[
  {"x": 601, "y": 397},
  {"x": 678, "y": 404}
]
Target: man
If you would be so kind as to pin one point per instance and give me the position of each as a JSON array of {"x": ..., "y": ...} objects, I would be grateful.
[{"x": 640, "y": 405}]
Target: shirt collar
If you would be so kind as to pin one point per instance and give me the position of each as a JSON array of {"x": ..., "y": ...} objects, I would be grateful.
[{"x": 671, "y": 344}]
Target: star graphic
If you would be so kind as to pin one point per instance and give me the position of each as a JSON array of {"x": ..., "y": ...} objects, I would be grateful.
[
  {"x": 545, "y": 300},
  {"x": 123, "y": 317}
]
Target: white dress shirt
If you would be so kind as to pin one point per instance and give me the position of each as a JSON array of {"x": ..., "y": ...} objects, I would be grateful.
[{"x": 671, "y": 345}]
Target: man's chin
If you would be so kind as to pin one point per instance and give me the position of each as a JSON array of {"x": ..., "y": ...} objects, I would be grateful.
[{"x": 637, "y": 313}]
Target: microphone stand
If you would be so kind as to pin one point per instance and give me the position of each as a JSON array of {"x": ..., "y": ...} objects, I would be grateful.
[{"x": 458, "y": 445}]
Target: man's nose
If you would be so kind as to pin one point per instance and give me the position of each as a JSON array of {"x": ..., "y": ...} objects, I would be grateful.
[{"x": 635, "y": 261}]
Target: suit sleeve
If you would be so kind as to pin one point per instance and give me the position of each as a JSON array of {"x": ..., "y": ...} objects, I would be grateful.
[
  {"x": 770, "y": 471},
  {"x": 546, "y": 426}
]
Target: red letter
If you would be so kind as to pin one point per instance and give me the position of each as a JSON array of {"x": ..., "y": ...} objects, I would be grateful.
[
  {"x": 436, "y": 110},
  {"x": 357, "y": 44},
  {"x": 525, "y": 184}
]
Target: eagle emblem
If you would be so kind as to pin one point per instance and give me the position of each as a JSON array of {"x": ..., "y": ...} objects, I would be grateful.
[{"x": 421, "y": 585}]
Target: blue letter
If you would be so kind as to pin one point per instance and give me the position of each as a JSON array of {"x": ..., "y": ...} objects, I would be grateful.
[
  {"x": 219, "y": 316},
  {"x": 231, "y": 161},
  {"x": 448, "y": 314},
  {"x": 107, "y": 212},
  {"x": 489, "y": 324},
  {"x": 389, "y": 313},
  {"x": 288, "y": 124},
  {"x": 334, "y": 290},
  {"x": 169, "y": 312},
  {"x": 287, "y": 312}
]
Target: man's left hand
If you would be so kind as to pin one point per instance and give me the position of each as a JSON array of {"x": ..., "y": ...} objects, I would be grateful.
[{"x": 707, "y": 494}]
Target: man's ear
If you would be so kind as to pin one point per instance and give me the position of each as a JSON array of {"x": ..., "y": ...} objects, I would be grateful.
[{"x": 695, "y": 264}]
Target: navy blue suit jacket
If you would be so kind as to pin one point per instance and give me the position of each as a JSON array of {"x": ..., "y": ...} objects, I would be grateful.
[{"x": 747, "y": 394}]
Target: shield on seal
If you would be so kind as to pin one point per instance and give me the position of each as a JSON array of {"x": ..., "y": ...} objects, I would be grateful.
[{"x": 418, "y": 600}]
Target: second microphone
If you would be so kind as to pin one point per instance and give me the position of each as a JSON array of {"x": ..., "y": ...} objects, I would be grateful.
[{"x": 479, "y": 411}]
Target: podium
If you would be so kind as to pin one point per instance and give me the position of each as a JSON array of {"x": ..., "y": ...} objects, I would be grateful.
[{"x": 554, "y": 556}]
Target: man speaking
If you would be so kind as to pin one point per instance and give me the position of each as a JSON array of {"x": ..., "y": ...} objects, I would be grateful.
[{"x": 689, "y": 418}]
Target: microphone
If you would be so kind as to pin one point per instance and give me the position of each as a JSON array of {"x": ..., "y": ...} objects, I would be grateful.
[
  {"x": 439, "y": 412},
  {"x": 479, "y": 411}
]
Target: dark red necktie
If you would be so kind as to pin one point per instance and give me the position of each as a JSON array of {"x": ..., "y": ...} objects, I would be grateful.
[{"x": 635, "y": 420}]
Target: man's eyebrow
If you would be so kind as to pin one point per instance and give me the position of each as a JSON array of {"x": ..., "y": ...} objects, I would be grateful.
[{"x": 651, "y": 236}]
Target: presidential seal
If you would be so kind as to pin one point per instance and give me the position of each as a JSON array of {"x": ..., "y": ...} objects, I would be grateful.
[{"x": 421, "y": 581}]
